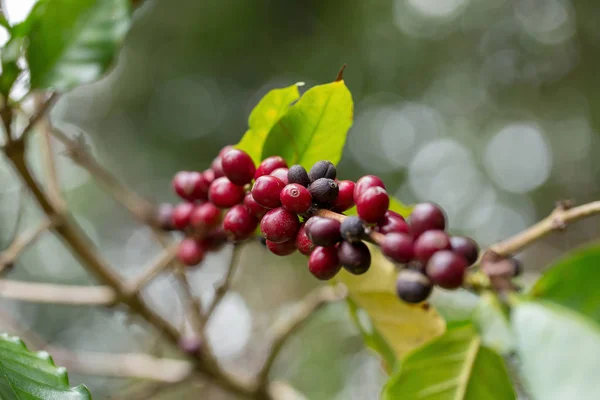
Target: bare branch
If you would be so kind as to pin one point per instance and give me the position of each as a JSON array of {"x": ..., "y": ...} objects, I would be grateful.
[
  {"x": 222, "y": 288},
  {"x": 191, "y": 303},
  {"x": 8, "y": 256},
  {"x": 57, "y": 294},
  {"x": 156, "y": 267},
  {"x": 39, "y": 115},
  {"x": 283, "y": 329}
]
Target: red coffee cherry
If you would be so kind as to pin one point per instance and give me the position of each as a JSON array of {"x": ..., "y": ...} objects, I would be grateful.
[
  {"x": 281, "y": 173},
  {"x": 205, "y": 216},
  {"x": 323, "y": 231},
  {"x": 224, "y": 194},
  {"x": 239, "y": 222},
  {"x": 164, "y": 216},
  {"x": 372, "y": 204},
  {"x": 366, "y": 182},
  {"x": 354, "y": 257},
  {"x": 282, "y": 249},
  {"x": 398, "y": 247},
  {"x": 303, "y": 243},
  {"x": 429, "y": 243},
  {"x": 217, "y": 167},
  {"x": 190, "y": 252},
  {"x": 324, "y": 263},
  {"x": 180, "y": 218},
  {"x": 266, "y": 191},
  {"x": 446, "y": 269},
  {"x": 225, "y": 150},
  {"x": 189, "y": 185},
  {"x": 238, "y": 167},
  {"x": 413, "y": 286},
  {"x": 392, "y": 222},
  {"x": 426, "y": 217},
  {"x": 345, "y": 197},
  {"x": 279, "y": 225},
  {"x": 466, "y": 247},
  {"x": 296, "y": 198},
  {"x": 269, "y": 165},
  {"x": 256, "y": 209}
]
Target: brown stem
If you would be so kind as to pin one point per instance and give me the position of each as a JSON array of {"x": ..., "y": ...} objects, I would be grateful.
[
  {"x": 8, "y": 256},
  {"x": 156, "y": 267},
  {"x": 222, "y": 289},
  {"x": 57, "y": 294},
  {"x": 372, "y": 236},
  {"x": 39, "y": 115}
]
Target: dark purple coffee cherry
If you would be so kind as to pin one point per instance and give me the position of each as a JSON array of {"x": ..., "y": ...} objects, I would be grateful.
[
  {"x": 322, "y": 169},
  {"x": 412, "y": 286},
  {"x": 426, "y": 217},
  {"x": 447, "y": 269},
  {"x": 324, "y": 191},
  {"x": 323, "y": 231},
  {"x": 466, "y": 247},
  {"x": 429, "y": 243},
  {"x": 352, "y": 229},
  {"x": 354, "y": 257},
  {"x": 297, "y": 174}
]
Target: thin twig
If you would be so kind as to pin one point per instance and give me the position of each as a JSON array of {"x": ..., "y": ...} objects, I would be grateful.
[
  {"x": 223, "y": 287},
  {"x": 39, "y": 115},
  {"x": 286, "y": 328},
  {"x": 156, "y": 267},
  {"x": 20, "y": 212},
  {"x": 57, "y": 294},
  {"x": 191, "y": 303},
  {"x": 8, "y": 256}
]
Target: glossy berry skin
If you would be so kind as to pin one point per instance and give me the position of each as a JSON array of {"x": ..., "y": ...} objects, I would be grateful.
[
  {"x": 164, "y": 216},
  {"x": 324, "y": 191},
  {"x": 239, "y": 222},
  {"x": 281, "y": 173},
  {"x": 398, "y": 246},
  {"x": 238, "y": 167},
  {"x": 429, "y": 243},
  {"x": 372, "y": 204},
  {"x": 205, "y": 216},
  {"x": 466, "y": 247},
  {"x": 413, "y": 286},
  {"x": 217, "y": 167},
  {"x": 266, "y": 191},
  {"x": 255, "y": 209},
  {"x": 224, "y": 194},
  {"x": 189, "y": 185},
  {"x": 303, "y": 243},
  {"x": 207, "y": 177},
  {"x": 345, "y": 197},
  {"x": 354, "y": 257},
  {"x": 269, "y": 165},
  {"x": 190, "y": 252},
  {"x": 426, "y": 217},
  {"x": 392, "y": 222},
  {"x": 366, "y": 182},
  {"x": 225, "y": 150},
  {"x": 323, "y": 231},
  {"x": 297, "y": 174},
  {"x": 279, "y": 225},
  {"x": 446, "y": 269},
  {"x": 180, "y": 217},
  {"x": 295, "y": 198},
  {"x": 324, "y": 263},
  {"x": 352, "y": 229},
  {"x": 282, "y": 249},
  {"x": 322, "y": 169}
]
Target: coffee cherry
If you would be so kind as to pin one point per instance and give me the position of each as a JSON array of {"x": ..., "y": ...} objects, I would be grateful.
[
  {"x": 322, "y": 169},
  {"x": 345, "y": 197},
  {"x": 295, "y": 198},
  {"x": 217, "y": 167},
  {"x": 262, "y": 241},
  {"x": 215, "y": 239},
  {"x": 398, "y": 246},
  {"x": 255, "y": 209},
  {"x": 190, "y": 252},
  {"x": 352, "y": 229},
  {"x": 266, "y": 191},
  {"x": 366, "y": 182},
  {"x": 180, "y": 218},
  {"x": 188, "y": 185},
  {"x": 303, "y": 243},
  {"x": 224, "y": 194},
  {"x": 279, "y": 225},
  {"x": 426, "y": 217},
  {"x": 225, "y": 150},
  {"x": 324, "y": 263},
  {"x": 323, "y": 231},
  {"x": 372, "y": 204},
  {"x": 282, "y": 249},
  {"x": 518, "y": 266},
  {"x": 238, "y": 167},
  {"x": 190, "y": 344},
  {"x": 354, "y": 257},
  {"x": 392, "y": 222},
  {"x": 164, "y": 216},
  {"x": 429, "y": 243},
  {"x": 413, "y": 286},
  {"x": 239, "y": 222},
  {"x": 281, "y": 173},
  {"x": 446, "y": 269},
  {"x": 324, "y": 191},
  {"x": 269, "y": 165},
  {"x": 205, "y": 216},
  {"x": 297, "y": 174},
  {"x": 466, "y": 247}
]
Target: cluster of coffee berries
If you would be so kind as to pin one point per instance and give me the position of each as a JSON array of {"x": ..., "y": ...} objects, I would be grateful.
[{"x": 303, "y": 210}]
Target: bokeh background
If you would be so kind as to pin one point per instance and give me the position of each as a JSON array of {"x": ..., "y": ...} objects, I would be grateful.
[{"x": 488, "y": 107}]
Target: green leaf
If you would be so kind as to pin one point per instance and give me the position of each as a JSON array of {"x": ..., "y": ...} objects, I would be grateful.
[
  {"x": 4, "y": 23},
  {"x": 402, "y": 326},
  {"x": 72, "y": 42},
  {"x": 573, "y": 283},
  {"x": 314, "y": 128},
  {"x": 262, "y": 118},
  {"x": 453, "y": 367},
  {"x": 559, "y": 351},
  {"x": 25, "y": 375},
  {"x": 493, "y": 324}
]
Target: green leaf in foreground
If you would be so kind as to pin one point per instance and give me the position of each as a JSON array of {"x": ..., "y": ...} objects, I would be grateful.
[
  {"x": 26, "y": 375},
  {"x": 573, "y": 283},
  {"x": 314, "y": 128},
  {"x": 453, "y": 367},
  {"x": 493, "y": 324},
  {"x": 559, "y": 351},
  {"x": 72, "y": 42},
  {"x": 262, "y": 118}
]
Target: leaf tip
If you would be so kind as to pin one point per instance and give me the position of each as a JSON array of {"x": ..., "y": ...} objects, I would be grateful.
[{"x": 340, "y": 74}]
